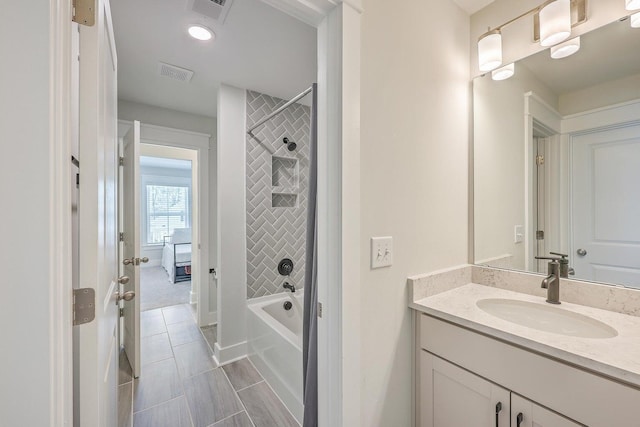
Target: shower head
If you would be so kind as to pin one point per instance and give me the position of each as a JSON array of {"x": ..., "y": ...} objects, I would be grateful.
[{"x": 290, "y": 144}]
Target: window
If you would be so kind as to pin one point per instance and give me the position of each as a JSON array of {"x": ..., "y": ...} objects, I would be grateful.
[{"x": 168, "y": 208}]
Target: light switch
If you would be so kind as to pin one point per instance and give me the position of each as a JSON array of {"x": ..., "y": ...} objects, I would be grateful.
[
  {"x": 381, "y": 251},
  {"x": 518, "y": 234}
]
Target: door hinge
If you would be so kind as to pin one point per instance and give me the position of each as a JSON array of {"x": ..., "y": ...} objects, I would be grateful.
[
  {"x": 319, "y": 309},
  {"x": 84, "y": 305},
  {"x": 84, "y": 12},
  {"x": 121, "y": 161},
  {"x": 122, "y": 312},
  {"x": 121, "y": 236},
  {"x": 539, "y": 160},
  {"x": 540, "y": 235}
]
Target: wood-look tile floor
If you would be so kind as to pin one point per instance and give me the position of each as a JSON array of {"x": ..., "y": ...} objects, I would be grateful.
[{"x": 180, "y": 386}]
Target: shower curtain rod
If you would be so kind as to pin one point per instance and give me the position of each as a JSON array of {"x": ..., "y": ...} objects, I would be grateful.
[{"x": 279, "y": 110}]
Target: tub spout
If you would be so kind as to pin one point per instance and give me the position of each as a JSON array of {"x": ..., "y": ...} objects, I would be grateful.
[{"x": 289, "y": 286}]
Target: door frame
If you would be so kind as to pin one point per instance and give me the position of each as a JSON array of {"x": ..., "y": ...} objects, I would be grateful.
[
  {"x": 199, "y": 143},
  {"x": 338, "y": 24}
]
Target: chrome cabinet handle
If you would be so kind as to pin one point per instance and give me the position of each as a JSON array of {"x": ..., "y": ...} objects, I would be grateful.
[
  {"x": 519, "y": 419},
  {"x": 498, "y": 409},
  {"x": 581, "y": 252}
]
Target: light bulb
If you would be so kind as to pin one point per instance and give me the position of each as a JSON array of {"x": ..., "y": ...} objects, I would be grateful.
[
  {"x": 632, "y": 4},
  {"x": 503, "y": 73},
  {"x": 200, "y": 32},
  {"x": 555, "y": 22},
  {"x": 565, "y": 49},
  {"x": 490, "y": 51},
  {"x": 635, "y": 20}
]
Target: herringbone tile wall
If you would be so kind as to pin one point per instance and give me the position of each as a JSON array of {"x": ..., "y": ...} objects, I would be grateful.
[{"x": 274, "y": 233}]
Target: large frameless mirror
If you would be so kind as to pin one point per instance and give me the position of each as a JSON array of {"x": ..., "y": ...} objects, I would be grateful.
[{"x": 557, "y": 160}]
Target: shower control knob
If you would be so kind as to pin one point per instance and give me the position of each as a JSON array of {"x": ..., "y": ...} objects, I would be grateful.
[{"x": 581, "y": 252}]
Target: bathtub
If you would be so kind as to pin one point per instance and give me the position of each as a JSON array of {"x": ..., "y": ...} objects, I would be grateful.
[{"x": 275, "y": 345}]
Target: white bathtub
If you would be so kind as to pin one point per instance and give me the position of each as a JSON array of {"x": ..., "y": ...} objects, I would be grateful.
[{"x": 275, "y": 346}]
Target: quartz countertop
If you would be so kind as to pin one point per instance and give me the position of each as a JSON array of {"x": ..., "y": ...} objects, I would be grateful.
[{"x": 617, "y": 357}]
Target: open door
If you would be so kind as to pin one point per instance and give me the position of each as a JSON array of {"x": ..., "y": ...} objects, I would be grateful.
[
  {"x": 131, "y": 250},
  {"x": 97, "y": 341}
]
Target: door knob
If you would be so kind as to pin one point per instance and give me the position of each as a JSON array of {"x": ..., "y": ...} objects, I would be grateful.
[
  {"x": 127, "y": 296},
  {"x": 128, "y": 261},
  {"x": 581, "y": 252},
  {"x": 123, "y": 280},
  {"x": 144, "y": 260}
]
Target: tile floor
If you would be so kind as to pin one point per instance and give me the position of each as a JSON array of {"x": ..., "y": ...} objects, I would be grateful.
[{"x": 180, "y": 386}]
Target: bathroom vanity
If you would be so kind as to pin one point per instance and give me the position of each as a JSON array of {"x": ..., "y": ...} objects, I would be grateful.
[{"x": 487, "y": 355}]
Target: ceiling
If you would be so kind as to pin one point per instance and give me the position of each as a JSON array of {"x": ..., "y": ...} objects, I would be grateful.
[
  {"x": 257, "y": 48},
  {"x": 605, "y": 54},
  {"x": 472, "y": 6}
]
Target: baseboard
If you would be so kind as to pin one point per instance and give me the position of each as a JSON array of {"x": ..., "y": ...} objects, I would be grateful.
[
  {"x": 226, "y": 355},
  {"x": 193, "y": 297}
]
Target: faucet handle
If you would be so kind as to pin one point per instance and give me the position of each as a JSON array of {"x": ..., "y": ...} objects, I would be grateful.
[{"x": 563, "y": 257}]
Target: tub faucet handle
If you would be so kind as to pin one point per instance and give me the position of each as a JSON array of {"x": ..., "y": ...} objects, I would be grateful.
[{"x": 289, "y": 286}]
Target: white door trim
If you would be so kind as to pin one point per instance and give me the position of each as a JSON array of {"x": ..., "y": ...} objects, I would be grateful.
[
  {"x": 59, "y": 265},
  {"x": 338, "y": 24},
  {"x": 199, "y": 142},
  {"x": 338, "y": 199}
]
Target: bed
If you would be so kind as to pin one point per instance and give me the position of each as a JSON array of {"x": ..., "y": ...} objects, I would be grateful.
[{"x": 176, "y": 255}]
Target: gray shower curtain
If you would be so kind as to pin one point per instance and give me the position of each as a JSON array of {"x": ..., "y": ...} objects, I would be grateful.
[{"x": 310, "y": 325}]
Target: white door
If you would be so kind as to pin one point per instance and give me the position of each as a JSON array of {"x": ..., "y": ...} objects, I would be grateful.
[
  {"x": 131, "y": 249},
  {"x": 525, "y": 413},
  {"x": 606, "y": 205},
  {"x": 453, "y": 397},
  {"x": 98, "y": 231}
]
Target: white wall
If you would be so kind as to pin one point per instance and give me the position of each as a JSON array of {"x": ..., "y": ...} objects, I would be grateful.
[
  {"x": 499, "y": 170},
  {"x": 25, "y": 178},
  {"x": 601, "y": 95},
  {"x": 414, "y": 173},
  {"x": 128, "y": 110},
  {"x": 232, "y": 242}
]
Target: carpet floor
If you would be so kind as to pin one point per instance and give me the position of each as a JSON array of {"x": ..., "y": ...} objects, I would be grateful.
[{"x": 156, "y": 290}]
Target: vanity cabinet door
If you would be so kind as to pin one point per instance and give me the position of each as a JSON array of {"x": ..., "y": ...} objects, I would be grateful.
[
  {"x": 452, "y": 397},
  {"x": 525, "y": 413}
]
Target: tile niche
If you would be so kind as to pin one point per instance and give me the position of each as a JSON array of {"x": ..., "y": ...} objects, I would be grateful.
[{"x": 284, "y": 182}]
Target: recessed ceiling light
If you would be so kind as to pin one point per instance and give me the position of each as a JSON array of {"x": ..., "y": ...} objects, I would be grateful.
[{"x": 200, "y": 32}]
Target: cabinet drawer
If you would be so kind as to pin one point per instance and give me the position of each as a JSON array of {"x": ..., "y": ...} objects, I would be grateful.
[{"x": 580, "y": 395}]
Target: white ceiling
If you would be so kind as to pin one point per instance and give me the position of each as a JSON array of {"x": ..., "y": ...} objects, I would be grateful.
[
  {"x": 605, "y": 54},
  {"x": 257, "y": 47},
  {"x": 472, "y": 6}
]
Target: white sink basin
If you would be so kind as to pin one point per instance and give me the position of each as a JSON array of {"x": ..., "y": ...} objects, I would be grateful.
[{"x": 547, "y": 318}]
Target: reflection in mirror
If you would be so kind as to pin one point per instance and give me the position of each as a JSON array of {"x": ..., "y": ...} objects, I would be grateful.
[{"x": 557, "y": 160}]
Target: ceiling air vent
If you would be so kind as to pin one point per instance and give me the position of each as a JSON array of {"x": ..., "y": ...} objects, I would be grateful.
[
  {"x": 214, "y": 9},
  {"x": 173, "y": 72}
]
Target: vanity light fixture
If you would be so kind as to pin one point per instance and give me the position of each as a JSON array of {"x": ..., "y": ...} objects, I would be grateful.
[
  {"x": 552, "y": 23},
  {"x": 555, "y": 22},
  {"x": 632, "y": 4},
  {"x": 200, "y": 32},
  {"x": 635, "y": 20},
  {"x": 503, "y": 73},
  {"x": 565, "y": 49},
  {"x": 490, "y": 50}
]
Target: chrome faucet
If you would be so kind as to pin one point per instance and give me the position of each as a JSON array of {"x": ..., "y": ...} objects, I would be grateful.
[
  {"x": 558, "y": 267},
  {"x": 289, "y": 286}
]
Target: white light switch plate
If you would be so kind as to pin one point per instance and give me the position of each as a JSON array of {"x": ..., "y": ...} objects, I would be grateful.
[
  {"x": 518, "y": 233},
  {"x": 381, "y": 251}
]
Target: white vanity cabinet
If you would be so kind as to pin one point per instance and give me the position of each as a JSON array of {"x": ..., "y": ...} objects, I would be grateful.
[
  {"x": 451, "y": 397},
  {"x": 463, "y": 374}
]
